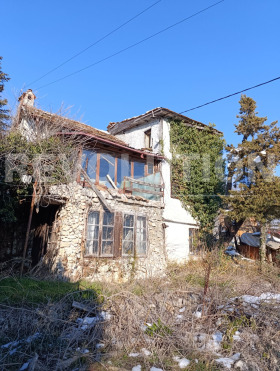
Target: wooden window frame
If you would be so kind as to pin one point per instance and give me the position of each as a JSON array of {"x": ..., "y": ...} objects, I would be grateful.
[
  {"x": 118, "y": 229},
  {"x": 132, "y": 159},
  {"x": 146, "y": 219},
  {"x": 135, "y": 254},
  {"x": 148, "y": 138},
  {"x": 100, "y": 240},
  {"x": 193, "y": 232},
  {"x": 123, "y": 227}
]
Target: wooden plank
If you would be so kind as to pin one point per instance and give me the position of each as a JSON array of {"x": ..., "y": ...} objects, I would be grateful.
[
  {"x": 143, "y": 183},
  {"x": 81, "y": 306},
  {"x": 138, "y": 190},
  {"x": 116, "y": 170},
  {"x": 132, "y": 169},
  {"x": 98, "y": 193},
  {"x": 146, "y": 169},
  {"x": 78, "y": 174},
  {"x": 118, "y": 230},
  {"x": 111, "y": 181},
  {"x": 97, "y": 167}
]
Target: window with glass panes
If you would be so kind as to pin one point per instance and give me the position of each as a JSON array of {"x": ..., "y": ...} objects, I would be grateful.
[
  {"x": 128, "y": 235},
  {"x": 100, "y": 233},
  {"x": 107, "y": 240},
  {"x": 134, "y": 235},
  {"x": 116, "y": 234},
  {"x": 141, "y": 235},
  {"x": 92, "y": 233}
]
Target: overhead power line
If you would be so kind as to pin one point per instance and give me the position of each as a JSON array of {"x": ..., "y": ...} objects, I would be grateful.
[
  {"x": 95, "y": 43},
  {"x": 231, "y": 95},
  {"x": 133, "y": 45}
]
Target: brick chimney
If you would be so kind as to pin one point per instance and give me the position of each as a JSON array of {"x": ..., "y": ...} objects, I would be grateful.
[{"x": 27, "y": 98}]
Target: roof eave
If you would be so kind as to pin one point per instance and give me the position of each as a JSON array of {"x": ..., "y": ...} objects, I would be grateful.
[{"x": 115, "y": 144}]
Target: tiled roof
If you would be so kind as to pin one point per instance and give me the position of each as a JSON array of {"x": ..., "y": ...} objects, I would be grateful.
[
  {"x": 68, "y": 126},
  {"x": 71, "y": 125},
  {"x": 157, "y": 113}
]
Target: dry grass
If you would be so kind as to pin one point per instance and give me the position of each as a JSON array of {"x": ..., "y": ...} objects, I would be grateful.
[{"x": 158, "y": 302}]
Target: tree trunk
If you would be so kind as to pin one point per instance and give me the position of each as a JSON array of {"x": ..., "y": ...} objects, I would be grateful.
[{"x": 263, "y": 242}]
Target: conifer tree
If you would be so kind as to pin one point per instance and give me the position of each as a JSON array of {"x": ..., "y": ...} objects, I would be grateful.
[
  {"x": 251, "y": 169},
  {"x": 4, "y": 113}
]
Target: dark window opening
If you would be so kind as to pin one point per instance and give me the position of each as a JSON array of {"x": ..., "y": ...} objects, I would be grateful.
[
  {"x": 148, "y": 138},
  {"x": 194, "y": 243}
]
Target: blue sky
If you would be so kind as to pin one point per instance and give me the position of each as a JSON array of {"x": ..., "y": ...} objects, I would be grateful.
[{"x": 231, "y": 46}]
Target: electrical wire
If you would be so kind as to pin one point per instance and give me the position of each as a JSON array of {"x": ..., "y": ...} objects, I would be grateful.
[
  {"x": 133, "y": 45},
  {"x": 231, "y": 95},
  {"x": 93, "y": 44}
]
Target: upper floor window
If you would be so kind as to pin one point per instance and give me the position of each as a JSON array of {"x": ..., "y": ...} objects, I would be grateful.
[
  {"x": 148, "y": 138},
  {"x": 104, "y": 168}
]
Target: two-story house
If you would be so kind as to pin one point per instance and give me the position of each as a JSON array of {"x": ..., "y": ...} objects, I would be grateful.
[{"x": 117, "y": 218}]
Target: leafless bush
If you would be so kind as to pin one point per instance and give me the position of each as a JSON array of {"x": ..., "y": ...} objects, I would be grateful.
[{"x": 150, "y": 322}]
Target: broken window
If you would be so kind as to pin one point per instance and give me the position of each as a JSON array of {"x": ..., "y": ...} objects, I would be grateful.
[
  {"x": 123, "y": 169},
  {"x": 110, "y": 170},
  {"x": 89, "y": 161},
  {"x": 107, "y": 169}
]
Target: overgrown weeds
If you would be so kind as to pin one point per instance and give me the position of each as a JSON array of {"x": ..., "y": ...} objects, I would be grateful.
[{"x": 97, "y": 326}]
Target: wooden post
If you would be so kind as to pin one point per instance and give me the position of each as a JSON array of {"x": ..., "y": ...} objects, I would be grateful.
[
  {"x": 28, "y": 227},
  {"x": 263, "y": 242}
]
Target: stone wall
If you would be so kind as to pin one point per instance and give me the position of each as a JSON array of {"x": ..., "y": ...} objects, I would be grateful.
[{"x": 68, "y": 260}]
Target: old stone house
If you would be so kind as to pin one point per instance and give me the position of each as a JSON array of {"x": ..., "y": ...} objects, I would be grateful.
[{"x": 117, "y": 218}]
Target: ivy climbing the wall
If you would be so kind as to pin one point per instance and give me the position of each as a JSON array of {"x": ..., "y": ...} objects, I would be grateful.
[{"x": 197, "y": 171}]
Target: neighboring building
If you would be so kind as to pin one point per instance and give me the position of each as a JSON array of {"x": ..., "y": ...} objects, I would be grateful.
[{"x": 117, "y": 218}]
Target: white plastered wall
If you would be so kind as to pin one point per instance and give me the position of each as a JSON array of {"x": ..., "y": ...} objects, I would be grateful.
[
  {"x": 177, "y": 219},
  {"x": 135, "y": 136}
]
